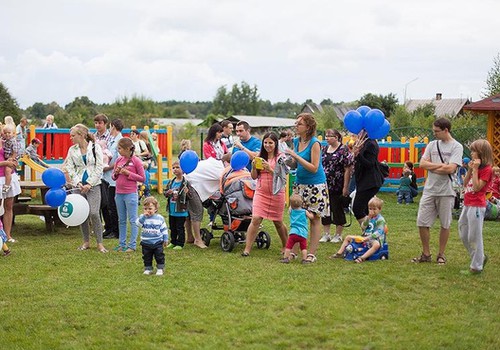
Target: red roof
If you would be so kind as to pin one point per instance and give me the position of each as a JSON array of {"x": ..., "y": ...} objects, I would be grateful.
[{"x": 491, "y": 103}]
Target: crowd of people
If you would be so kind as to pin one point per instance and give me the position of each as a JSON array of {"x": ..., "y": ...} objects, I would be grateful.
[{"x": 105, "y": 167}]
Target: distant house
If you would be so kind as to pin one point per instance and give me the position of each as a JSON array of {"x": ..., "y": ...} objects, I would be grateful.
[
  {"x": 179, "y": 122},
  {"x": 450, "y": 107}
]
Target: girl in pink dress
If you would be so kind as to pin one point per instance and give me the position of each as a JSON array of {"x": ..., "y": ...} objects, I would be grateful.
[{"x": 269, "y": 200}]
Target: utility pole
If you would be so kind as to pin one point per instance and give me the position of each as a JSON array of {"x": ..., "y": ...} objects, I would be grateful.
[{"x": 406, "y": 86}]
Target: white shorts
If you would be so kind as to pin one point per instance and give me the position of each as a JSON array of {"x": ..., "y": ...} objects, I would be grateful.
[
  {"x": 430, "y": 207},
  {"x": 15, "y": 186}
]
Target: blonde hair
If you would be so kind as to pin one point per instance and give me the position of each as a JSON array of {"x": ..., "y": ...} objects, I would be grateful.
[
  {"x": 296, "y": 201},
  {"x": 8, "y": 120},
  {"x": 83, "y": 131},
  {"x": 185, "y": 144},
  {"x": 150, "y": 200},
  {"x": 376, "y": 202}
]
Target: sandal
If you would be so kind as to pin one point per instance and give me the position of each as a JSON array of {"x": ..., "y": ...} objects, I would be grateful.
[
  {"x": 311, "y": 258},
  {"x": 245, "y": 254},
  {"x": 103, "y": 250},
  {"x": 422, "y": 258},
  {"x": 337, "y": 256},
  {"x": 359, "y": 260},
  {"x": 83, "y": 247},
  {"x": 285, "y": 260},
  {"x": 293, "y": 256},
  {"x": 441, "y": 259}
]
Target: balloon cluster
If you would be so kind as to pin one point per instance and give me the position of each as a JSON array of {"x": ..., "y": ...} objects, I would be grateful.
[
  {"x": 188, "y": 161},
  {"x": 54, "y": 179},
  {"x": 372, "y": 120}
]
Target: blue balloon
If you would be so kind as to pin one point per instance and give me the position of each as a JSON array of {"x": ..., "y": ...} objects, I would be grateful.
[
  {"x": 380, "y": 132},
  {"x": 55, "y": 197},
  {"x": 374, "y": 119},
  {"x": 353, "y": 121},
  {"x": 239, "y": 160},
  {"x": 53, "y": 178},
  {"x": 363, "y": 110},
  {"x": 188, "y": 161}
]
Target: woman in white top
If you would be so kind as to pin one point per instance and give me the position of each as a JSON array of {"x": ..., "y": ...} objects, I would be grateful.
[{"x": 83, "y": 165}]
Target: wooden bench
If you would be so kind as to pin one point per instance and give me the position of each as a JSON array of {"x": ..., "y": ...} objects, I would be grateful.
[
  {"x": 23, "y": 199},
  {"x": 49, "y": 213}
]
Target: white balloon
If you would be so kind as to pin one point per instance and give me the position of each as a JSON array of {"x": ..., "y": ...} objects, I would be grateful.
[{"x": 74, "y": 211}]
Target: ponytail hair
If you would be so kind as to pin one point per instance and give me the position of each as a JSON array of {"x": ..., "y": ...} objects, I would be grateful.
[{"x": 127, "y": 143}]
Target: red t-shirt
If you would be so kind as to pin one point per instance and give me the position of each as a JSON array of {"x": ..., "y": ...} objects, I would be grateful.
[{"x": 478, "y": 199}]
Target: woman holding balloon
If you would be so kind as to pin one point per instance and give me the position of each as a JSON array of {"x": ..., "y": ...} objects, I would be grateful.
[
  {"x": 84, "y": 165},
  {"x": 369, "y": 124},
  {"x": 310, "y": 181}
]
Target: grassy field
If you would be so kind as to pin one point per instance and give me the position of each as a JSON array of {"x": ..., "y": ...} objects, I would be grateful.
[{"x": 55, "y": 297}]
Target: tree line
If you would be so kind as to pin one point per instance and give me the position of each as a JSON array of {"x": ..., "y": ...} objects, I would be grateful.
[{"x": 240, "y": 99}]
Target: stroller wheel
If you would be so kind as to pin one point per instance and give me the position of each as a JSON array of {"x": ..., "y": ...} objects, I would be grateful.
[
  {"x": 263, "y": 240},
  {"x": 206, "y": 236},
  {"x": 227, "y": 241}
]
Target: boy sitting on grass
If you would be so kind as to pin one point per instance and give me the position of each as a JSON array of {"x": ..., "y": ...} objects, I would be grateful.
[{"x": 373, "y": 232}]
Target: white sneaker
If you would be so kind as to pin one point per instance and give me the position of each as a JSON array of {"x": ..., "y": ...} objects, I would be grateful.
[
  {"x": 159, "y": 272},
  {"x": 325, "y": 238},
  {"x": 148, "y": 272},
  {"x": 336, "y": 239}
]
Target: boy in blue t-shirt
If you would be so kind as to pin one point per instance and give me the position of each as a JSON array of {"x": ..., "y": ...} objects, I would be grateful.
[
  {"x": 176, "y": 192},
  {"x": 298, "y": 230},
  {"x": 154, "y": 237}
]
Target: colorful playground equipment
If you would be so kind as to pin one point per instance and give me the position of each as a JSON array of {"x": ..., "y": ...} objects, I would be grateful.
[
  {"x": 56, "y": 142},
  {"x": 396, "y": 153}
]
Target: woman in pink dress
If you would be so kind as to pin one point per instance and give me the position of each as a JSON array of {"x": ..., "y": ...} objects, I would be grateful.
[{"x": 269, "y": 200}]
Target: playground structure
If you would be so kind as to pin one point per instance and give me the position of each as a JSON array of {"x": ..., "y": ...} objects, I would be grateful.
[
  {"x": 396, "y": 153},
  {"x": 56, "y": 142}
]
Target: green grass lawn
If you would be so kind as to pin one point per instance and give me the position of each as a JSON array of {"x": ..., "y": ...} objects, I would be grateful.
[{"x": 55, "y": 297}]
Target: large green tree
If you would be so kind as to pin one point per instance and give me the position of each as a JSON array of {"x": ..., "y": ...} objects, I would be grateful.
[
  {"x": 386, "y": 104},
  {"x": 8, "y": 104},
  {"x": 241, "y": 100},
  {"x": 493, "y": 79}
]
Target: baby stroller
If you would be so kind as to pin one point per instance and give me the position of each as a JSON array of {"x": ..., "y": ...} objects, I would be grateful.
[{"x": 233, "y": 204}]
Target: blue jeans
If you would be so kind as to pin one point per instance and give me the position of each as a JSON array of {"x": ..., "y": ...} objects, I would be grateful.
[{"x": 127, "y": 205}]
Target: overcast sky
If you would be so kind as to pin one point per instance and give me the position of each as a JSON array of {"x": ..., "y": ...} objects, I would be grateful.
[{"x": 185, "y": 49}]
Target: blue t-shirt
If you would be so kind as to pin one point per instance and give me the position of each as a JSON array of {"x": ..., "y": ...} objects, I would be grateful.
[
  {"x": 298, "y": 222},
  {"x": 173, "y": 200},
  {"x": 303, "y": 176},
  {"x": 252, "y": 144}
]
